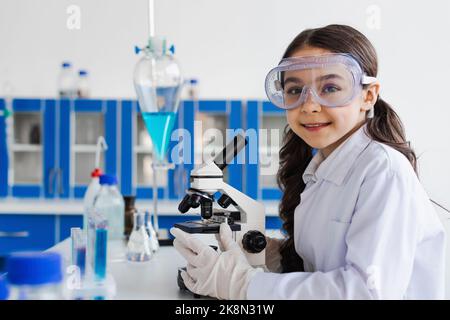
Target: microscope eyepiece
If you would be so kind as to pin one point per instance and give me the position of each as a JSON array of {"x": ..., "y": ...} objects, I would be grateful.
[
  {"x": 185, "y": 204},
  {"x": 230, "y": 151},
  {"x": 193, "y": 199}
]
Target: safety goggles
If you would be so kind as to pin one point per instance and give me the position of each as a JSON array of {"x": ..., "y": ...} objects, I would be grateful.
[{"x": 333, "y": 80}]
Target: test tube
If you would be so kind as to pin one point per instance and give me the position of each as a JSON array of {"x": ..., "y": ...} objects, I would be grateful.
[
  {"x": 78, "y": 249},
  {"x": 101, "y": 240}
]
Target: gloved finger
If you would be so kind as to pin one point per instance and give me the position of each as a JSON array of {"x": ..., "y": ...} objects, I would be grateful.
[
  {"x": 188, "y": 240},
  {"x": 226, "y": 237},
  {"x": 188, "y": 281},
  {"x": 219, "y": 242},
  {"x": 196, "y": 259},
  {"x": 194, "y": 272},
  {"x": 187, "y": 253}
]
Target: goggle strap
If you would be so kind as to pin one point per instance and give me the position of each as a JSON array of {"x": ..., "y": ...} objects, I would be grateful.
[{"x": 368, "y": 80}]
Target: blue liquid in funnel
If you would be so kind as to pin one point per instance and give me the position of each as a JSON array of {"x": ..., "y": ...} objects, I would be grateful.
[{"x": 159, "y": 126}]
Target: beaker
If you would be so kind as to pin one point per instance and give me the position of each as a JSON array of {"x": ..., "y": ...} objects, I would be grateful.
[{"x": 139, "y": 247}]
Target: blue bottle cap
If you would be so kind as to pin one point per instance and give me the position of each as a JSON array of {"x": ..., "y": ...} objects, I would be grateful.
[
  {"x": 4, "y": 292},
  {"x": 82, "y": 73},
  {"x": 66, "y": 64},
  {"x": 108, "y": 179},
  {"x": 193, "y": 81},
  {"x": 34, "y": 268}
]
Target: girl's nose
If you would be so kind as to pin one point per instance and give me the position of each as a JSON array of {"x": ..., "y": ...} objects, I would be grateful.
[{"x": 309, "y": 104}]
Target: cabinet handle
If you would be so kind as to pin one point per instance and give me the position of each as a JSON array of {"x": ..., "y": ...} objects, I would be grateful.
[
  {"x": 51, "y": 177},
  {"x": 18, "y": 234}
]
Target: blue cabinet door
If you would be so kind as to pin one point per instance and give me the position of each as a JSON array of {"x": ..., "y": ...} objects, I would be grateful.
[
  {"x": 24, "y": 152},
  {"x": 26, "y": 232},
  {"x": 255, "y": 112},
  {"x": 77, "y": 147},
  {"x": 232, "y": 112}
]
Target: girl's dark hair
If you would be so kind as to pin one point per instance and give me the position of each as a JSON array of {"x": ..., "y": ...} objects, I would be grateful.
[{"x": 384, "y": 127}]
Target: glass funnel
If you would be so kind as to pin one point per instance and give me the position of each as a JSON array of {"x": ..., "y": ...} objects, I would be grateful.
[{"x": 158, "y": 82}]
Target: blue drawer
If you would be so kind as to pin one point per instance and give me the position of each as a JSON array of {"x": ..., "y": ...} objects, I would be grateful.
[{"x": 26, "y": 232}]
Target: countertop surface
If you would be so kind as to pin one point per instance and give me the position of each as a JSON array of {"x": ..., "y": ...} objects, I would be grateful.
[{"x": 152, "y": 280}]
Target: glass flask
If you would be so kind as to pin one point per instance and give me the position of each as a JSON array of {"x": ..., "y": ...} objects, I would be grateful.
[
  {"x": 139, "y": 247},
  {"x": 158, "y": 84}
]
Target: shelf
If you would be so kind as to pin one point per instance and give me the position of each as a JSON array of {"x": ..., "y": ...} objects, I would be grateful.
[
  {"x": 142, "y": 149},
  {"x": 26, "y": 148},
  {"x": 84, "y": 148}
]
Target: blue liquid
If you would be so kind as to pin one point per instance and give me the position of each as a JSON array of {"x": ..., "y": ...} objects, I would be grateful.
[
  {"x": 101, "y": 239},
  {"x": 159, "y": 126},
  {"x": 81, "y": 259}
]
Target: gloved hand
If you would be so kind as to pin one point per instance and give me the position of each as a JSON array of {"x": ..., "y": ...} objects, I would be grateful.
[
  {"x": 223, "y": 275},
  {"x": 273, "y": 256}
]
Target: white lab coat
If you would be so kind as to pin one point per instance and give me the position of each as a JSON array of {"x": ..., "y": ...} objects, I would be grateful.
[{"x": 365, "y": 229}]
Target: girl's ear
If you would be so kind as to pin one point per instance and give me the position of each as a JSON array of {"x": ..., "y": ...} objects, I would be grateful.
[{"x": 370, "y": 96}]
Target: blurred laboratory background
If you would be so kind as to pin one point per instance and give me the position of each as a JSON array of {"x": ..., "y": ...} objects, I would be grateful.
[{"x": 66, "y": 79}]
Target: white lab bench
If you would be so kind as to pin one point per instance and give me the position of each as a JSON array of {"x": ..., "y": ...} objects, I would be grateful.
[{"x": 152, "y": 280}]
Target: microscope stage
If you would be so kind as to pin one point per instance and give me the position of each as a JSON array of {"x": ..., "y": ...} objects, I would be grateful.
[{"x": 203, "y": 227}]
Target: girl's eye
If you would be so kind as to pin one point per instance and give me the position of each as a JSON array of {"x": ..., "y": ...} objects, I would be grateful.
[
  {"x": 330, "y": 89},
  {"x": 295, "y": 91}
]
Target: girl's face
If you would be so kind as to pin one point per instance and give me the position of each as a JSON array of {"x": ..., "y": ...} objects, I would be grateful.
[{"x": 342, "y": 121}]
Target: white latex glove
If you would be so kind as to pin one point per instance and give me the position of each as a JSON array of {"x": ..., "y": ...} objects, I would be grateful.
[
  {"x": 273, "y": 256},
  {"x": 224, "y": 275}
]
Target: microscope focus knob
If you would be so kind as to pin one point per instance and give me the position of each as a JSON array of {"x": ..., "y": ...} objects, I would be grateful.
[{"x": 254, "y": 241}]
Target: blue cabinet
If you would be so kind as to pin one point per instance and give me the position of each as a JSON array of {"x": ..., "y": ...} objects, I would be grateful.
[
  {"x": 26, "y": 232},
  {"x": 223, "y": 120},
  {"x": 84, "y": 121},
  {"x": 46, "y": 142},
  {"x": 48, "y": 146},
  {"x": 269, "y": 123},
  {"x": 50, "y": 149},
  {"x": 28, "y": 148}
]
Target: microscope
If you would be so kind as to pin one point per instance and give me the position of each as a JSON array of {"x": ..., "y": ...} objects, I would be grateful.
[{"x": 247, "y": 222}]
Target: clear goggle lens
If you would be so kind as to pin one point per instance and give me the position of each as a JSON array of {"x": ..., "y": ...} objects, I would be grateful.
[{"x": 331, "y": 84}]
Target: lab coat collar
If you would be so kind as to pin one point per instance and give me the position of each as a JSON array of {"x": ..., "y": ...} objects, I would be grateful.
[{"x": 335, "y": 167}]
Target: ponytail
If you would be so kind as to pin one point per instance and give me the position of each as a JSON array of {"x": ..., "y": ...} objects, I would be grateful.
[{"x": 386, "y": 127}]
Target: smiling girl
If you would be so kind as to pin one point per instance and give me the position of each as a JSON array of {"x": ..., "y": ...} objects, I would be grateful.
[{"x": 358, "y": 223}]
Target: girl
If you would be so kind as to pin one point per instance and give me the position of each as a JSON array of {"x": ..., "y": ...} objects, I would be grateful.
[{"x": 358, "y": 223}]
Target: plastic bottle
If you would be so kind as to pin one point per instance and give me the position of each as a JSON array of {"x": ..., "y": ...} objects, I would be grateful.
[
  {"x": 35, "y": 276},
  {"x": 193, "y": 89},
  {"x": 91, "y": 192},
  {"x": 83, "y": 90},
  {"x": 109, "y": 202},
  {"x": 67, "y": 84}
]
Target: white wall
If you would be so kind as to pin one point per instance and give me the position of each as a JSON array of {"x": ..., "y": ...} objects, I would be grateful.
[{"x": 229, "y": 46}]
